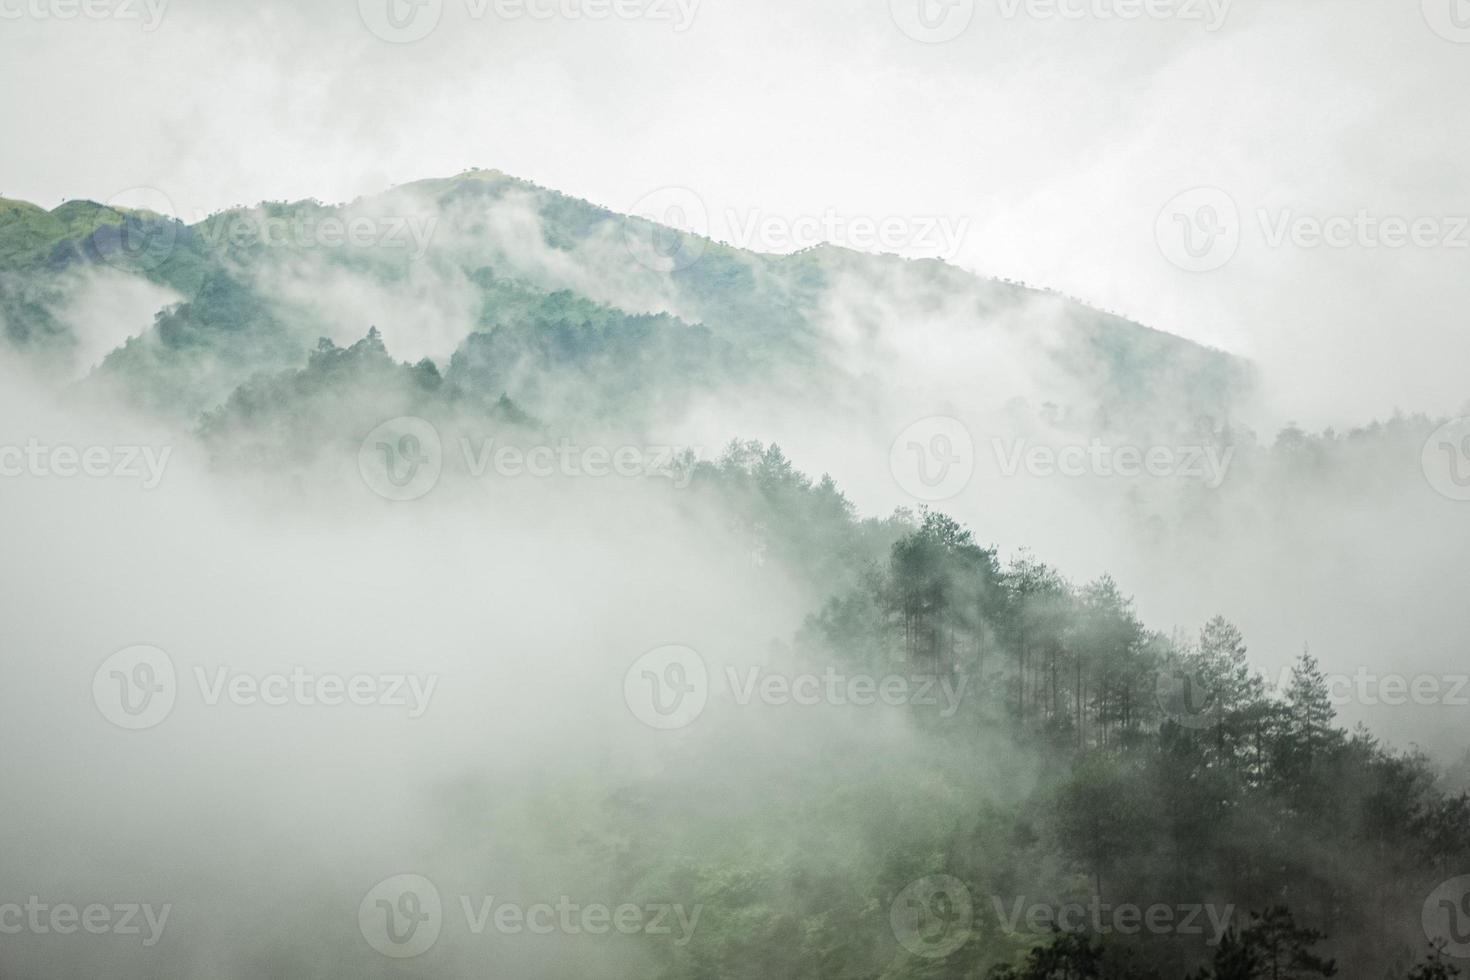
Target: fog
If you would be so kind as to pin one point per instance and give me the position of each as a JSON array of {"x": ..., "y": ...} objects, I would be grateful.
[
  {"x": 508, "y": 611},
  {"x": 1356, "y": 560},
  {"x": 264, "y": 825},
  {"x": 503, "y": 640}
]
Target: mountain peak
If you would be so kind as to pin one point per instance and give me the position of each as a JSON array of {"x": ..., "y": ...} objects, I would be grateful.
[{"x": 10, "y": 207}]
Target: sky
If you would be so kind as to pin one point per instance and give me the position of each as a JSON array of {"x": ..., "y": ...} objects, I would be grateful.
[{"x": 1312, "y": 152}]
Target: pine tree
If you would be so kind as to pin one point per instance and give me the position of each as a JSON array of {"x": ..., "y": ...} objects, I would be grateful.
[
  {"x": 1309, "y": 717},
  {"x": 1270, "y": 948},
  {"x": 1223, "y": 668}
]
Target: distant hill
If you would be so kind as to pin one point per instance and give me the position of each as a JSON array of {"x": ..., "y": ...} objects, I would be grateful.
[{"x": 567, "y": 307}]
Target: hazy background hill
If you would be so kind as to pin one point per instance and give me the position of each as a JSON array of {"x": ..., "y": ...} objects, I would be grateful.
[{"x": 567, "y": 306}]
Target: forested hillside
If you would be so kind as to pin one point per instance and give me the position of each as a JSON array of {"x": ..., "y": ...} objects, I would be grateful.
[
  {"x": 1083, "y": 793},
  {"x": 1172, "y": 776},
  {"x": 542, "y": 295}
]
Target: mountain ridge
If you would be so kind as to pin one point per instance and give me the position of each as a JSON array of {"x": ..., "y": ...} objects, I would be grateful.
[
  {"x": 820, "y": 250},
  {"x": 565, "y": 283}
]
